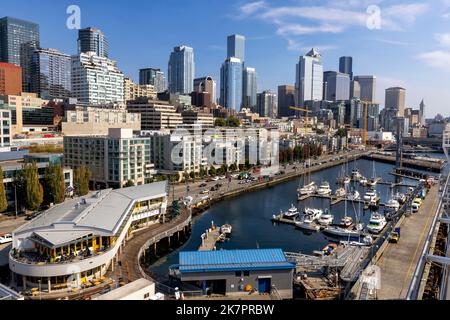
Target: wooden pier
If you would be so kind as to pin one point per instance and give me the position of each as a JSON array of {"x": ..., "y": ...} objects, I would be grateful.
[{"x": 209, "y": 239}]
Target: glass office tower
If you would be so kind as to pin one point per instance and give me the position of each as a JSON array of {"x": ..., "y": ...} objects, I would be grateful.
[
  {"x": 231, "y": 84},
  {"x": 181, "y": 70},
  {"x": 92, "y": 40}
]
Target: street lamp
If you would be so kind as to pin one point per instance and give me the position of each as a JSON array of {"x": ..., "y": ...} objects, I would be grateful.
[{"x": 40, "y": 292}]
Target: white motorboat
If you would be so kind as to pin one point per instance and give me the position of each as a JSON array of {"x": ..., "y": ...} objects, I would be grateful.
[
  {"x": 307, "y": 223},
  {"x": 354, "y": 196},
  {"x": 400, "y": 197},
  {"x": 307, "y": 189},
  {"x": 324, "y": 189},
  {"x": 363, "y": 181},
  {"x": 370, "y": 195},
  {"x": 314, "y": 214},
  {"x": 356, "y": 174},
  {"x": 226, "y": 229},
  {"x": 346, "y": 221},
  {"x": 291, "y": 213},
  {"x": 347, "y": 180},
  {"x": 377, "y": 223},
  {"x": 342, "y": 232},
  {"x": 326, "y": 219},
  {"x": 393, "y": 204},
  {"x": 372, "y": 182},
  {"x": 341, "y": 192},
  {"x": 366, "y": 241}
]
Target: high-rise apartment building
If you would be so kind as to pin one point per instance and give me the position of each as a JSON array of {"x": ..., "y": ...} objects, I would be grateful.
[
  {"x": 346, "y": 66},
  {"x": 205, "y": 91},
  {"x": 267, "y": 104},
  {"x": 396, "y": 99},
  {"x": 422, "y": 113},
  {"x": 50, "y": 74},
  {"x": 367, "y": 86},
  {"x": 236, "y": 47},
  {"x": 96, "y": 80},
  {"x": 154, "y": 77},
  {"x": 309, "y": 78},
  {"x": 286, "y": 99},
  {"x": 231, "y": 84},
  {"x": 336, "y": 86},
  {"x": 10, "y": 79},
  {"x": 181, "y": 71},
  {"x": 249, "y": 88},
  {"x": 92, "y": 40}
]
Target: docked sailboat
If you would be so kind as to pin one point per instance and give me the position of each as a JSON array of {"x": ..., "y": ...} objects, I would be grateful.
[
  {"x": 324, "y": 189},
  {"x": 308, "y": 223},
  {"x": 374, "y": 180},
  {"x": 326, "y": 219},
  {"x": 354, "y": 195},
  {"x": 346, "y": 222},
  {"x": 356, "y": 175},
  {"x": 342, "y": 232},
  {"x": 315, "y": 214},
  {"x": 371, "y": 196},
  {"x": 307, "y": 189},
  {"x": 340, "y": 193},
  {"x": 400, "y": 197},
  {"x": 363, "y": 180},
  {"x": 377, "y": 223}
]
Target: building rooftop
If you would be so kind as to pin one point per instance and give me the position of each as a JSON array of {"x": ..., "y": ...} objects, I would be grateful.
[
  {"x": 9, "y": 294},
  {"x": 126, "y": 290},
  {"x": 101, "y": 213},
  {"x": 233, "y": 260}
]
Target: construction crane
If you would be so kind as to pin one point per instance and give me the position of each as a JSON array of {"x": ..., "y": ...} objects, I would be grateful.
[{"x": 306, "y": 116}]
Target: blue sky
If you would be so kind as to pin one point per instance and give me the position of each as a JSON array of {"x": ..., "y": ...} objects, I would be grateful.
[{"x": 409, "y": 45}]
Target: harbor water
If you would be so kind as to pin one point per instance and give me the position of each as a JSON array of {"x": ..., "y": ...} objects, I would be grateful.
[{"x": 250, "y": 214}]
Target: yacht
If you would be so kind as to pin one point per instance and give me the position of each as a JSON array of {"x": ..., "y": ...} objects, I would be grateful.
[
  {"x": 326, "y": 219},
  {"x": 315, "y": 214},
  {"x": 347, "y": 180},
  {"x": 291, "y": 213},
  {"x": 370, "y": 195},
  {"x": 324, "y": 189},
  {"x": 377, "y": 223},
  {"x": 307, "y": 223},
  {"x": 363, "y": 181},
  {"x": 356, "y": 174},
  {"x": 226, "y": 229},
  {"x": 372, "y": 182},
  {"x": 393, "y": 204},
  {"x": 346, "y": 221},
  {"x": 342, "y": 232},
  {"x": 366, "y": 241},
  {"x": 307, "y": 189},
  {"x": 400, "y": 197},
  {"x": 341, "y": 192},
  {"x": 354, "y": 195}
]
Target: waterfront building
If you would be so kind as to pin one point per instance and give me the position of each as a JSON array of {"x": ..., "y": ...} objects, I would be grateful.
[
  {"x": 154, "y": 77},
  {"x": 267, "y": 104},
  {"x": 286, "y": 99},
  {"x": 113, "y": 159},
  {"x": 9, "y": 294},
  {"x": 231, "y": 84},
  {"x": 11, "y": 169},
  {"x": 346, "y": 66},
  {"x": 92, "y": 121},
  {"x": 205, "y": 91},
  {"x": 181, "y": 70},
  {"x": 309, "y": 78},
  {"x": 236, "y": 47},
  {"x": 396, "y": 99},
  {"x": 93, "y": 40},
  {"x": 10, "y": 79},
  {"x": 367, "y": 86},
  {"x": 336, "y": 86},
  {"x": 50, "y": 74},
  {"x": 133, "y": 90},
  {"x": 249, "y": 88},
  {"x": 155, "y": 114},
  {"x": 138, "y": 290},
  {"x": 96, "y": 80},
  {"x": 260, "y": 269},
  {"x": 80, "y": 240},
  {"x": 28, "y": 112}
]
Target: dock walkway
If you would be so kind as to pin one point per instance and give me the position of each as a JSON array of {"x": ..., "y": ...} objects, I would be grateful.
[{"x": 209, "y": 239}]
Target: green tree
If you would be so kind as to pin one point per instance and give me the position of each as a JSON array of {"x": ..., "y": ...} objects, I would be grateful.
[
  {"x": 233, "y": 122},
  {"x": 34, "y": 193},
  {"x": 82, "y": 176},
  {"x": 341, "y": 132},
  {"x": 220, "y": 122},
  {"x": 3, "y": 201},
  {"x": 233, "y": 167},
  {"x": 129, "y": 183},
  {"x": 55, "y": 187},
  {"x": 212, "y": 171}
]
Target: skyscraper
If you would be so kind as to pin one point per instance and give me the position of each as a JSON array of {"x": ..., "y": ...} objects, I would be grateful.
[
  {"x": 336, "y": 86},
  {"x": 286, "y": 99},
  {"x": 367, "y": 87},
  {"x": 92, "y": 40},
  {"x": 249, "y": 88},
  {"x": 181, "y": 71},
  {"x": 346, "y": 66},
  {"x": 309, "y": 78},
  {"x": 422, "y": 113},
  {"x": 18, "y": 40},
  {"x": 267, "y": 104},
  {"x": 14, "y": 33},
  {"x": 206, "y": 86},
  {"x": 355, "y": 90},
  {"x": 395, "y": 99},
  {"x": 231, "y": 84},
  {"x": 50, "y": 74},
  {"x": 153, "y": 76},
  {"x": 96, "y": 80},
  {"x": 236, "y": 47}
]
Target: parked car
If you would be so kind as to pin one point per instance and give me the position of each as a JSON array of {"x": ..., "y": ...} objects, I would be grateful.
[
  {"x": 203, "y": 185},
  {"x": 5, "y": 238},
  {"x": 394, "y": 237},
  {"x": 206, "y": 191}
]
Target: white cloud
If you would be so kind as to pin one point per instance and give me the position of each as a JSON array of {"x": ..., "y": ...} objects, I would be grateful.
[
  {"x": 298, "y": 29},
  {"x": 443, "y": 39},
  {"x": 438, "y": 59},
  {"x": 252, "y": 7},
  {"x": 393, "y": 42}
]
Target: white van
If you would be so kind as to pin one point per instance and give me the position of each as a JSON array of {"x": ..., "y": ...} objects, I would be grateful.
[{"x": 5, "y": 238}]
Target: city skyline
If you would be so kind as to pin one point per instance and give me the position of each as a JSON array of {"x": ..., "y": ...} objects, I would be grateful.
[{"x": 407, "y": 40}]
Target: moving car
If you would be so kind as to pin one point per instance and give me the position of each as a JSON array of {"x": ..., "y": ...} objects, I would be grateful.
[{"x": 394, "y": 237}]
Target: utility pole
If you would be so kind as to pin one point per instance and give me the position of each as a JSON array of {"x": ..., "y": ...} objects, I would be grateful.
[{"x": 15, "y": 198}]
